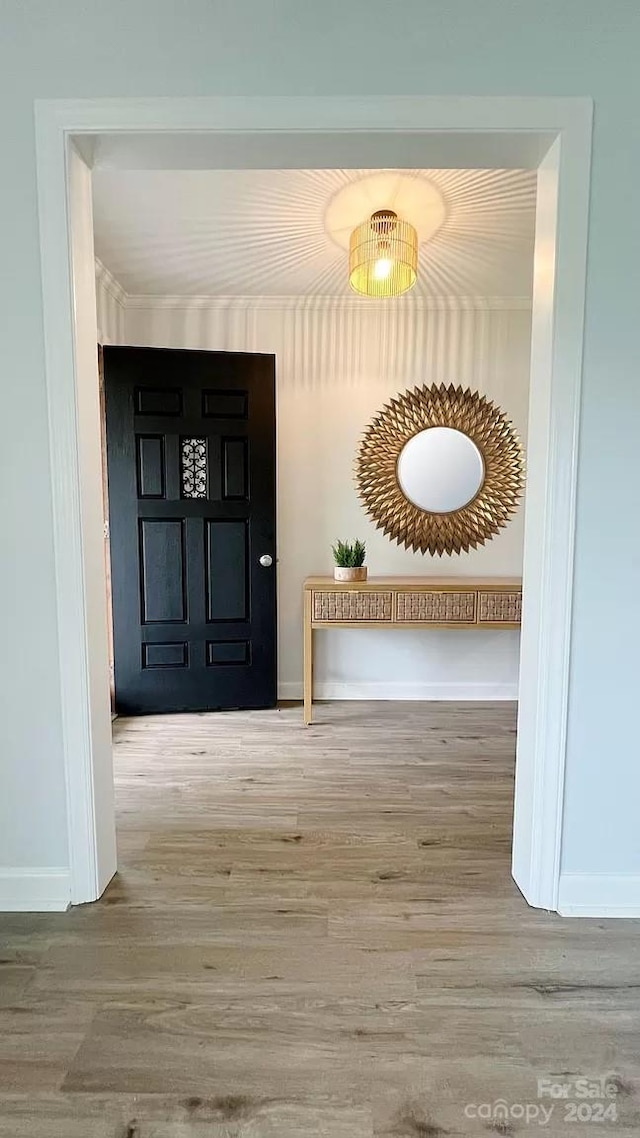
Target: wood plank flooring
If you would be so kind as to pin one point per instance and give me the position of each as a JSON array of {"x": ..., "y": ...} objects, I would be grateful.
[{"x": 313, "y": 932}]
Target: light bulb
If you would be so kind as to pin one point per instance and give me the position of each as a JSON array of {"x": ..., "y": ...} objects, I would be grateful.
[{"x": 382, "y": 269}]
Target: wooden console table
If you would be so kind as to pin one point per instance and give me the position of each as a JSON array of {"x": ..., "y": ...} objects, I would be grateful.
[{"x": 406, "y": 602}]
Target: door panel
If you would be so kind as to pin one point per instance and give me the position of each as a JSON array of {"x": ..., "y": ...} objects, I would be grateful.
[
  {"x": 162, "y": 571},
  {"x": 191, "y": 464},
  {"x": 226, "y": 579},
  {"x": 150, "y": 466}
]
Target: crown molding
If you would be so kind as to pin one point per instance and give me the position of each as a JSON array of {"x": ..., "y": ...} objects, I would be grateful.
[
  {"x": 328, "y": 303},
  {"x": 305, "y": 303},
  {"x": 106, "y": 279}
]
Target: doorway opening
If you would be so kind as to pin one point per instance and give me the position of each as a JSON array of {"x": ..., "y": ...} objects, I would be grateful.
[{"x": 509, "y": 134}]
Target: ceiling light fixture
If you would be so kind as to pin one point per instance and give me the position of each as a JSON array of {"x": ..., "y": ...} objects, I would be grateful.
[{"x": 383, "y": 255}]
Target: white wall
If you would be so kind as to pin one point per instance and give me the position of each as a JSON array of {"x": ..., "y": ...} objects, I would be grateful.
[
  {"x": 207, "y": 47},
  {"x": 337, "y": 364}
]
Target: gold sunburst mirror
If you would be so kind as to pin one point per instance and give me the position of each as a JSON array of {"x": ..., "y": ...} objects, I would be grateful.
[{"x": 440, "y": 470}]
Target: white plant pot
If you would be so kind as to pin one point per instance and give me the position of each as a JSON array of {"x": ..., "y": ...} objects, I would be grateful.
[{"x": 347, "y": 573}]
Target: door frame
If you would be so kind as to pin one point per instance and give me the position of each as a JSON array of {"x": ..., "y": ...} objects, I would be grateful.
[{"x": 501, "y": 128}]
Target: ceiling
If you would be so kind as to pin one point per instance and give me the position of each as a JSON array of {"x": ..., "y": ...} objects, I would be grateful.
[{"x": 269, "y": 232}]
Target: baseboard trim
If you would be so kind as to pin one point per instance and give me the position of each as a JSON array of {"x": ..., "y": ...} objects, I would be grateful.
[
  {"x": 35, "y": 890},
  {"x": 599, "y": 895},
  {"x": 402, "y": 691}
]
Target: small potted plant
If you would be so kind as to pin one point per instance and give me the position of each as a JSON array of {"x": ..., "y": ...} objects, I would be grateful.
[{"x": 349, "y": 561}]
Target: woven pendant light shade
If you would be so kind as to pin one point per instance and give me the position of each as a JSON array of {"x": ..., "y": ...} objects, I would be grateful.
[{"x": 383, "y": 255}]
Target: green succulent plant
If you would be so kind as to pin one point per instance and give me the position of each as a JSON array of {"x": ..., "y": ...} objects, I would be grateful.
[{"x": 349, "y": 555}]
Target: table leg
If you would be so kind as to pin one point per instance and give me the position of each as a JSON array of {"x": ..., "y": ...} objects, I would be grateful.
[{"x": 308, "y": 660}]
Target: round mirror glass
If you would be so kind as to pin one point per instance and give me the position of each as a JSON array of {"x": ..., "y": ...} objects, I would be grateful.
[{"x": 440, "y": 470}]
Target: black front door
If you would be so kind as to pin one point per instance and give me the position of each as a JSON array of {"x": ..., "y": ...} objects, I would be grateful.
[{"x": 191, "y": 464}]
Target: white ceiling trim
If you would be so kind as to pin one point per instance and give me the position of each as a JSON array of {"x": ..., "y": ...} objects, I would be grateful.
[
  {"x": 112, "y": 286},
  {"x": 315, "y": 303},
  {"x": 106, "y": 279}
]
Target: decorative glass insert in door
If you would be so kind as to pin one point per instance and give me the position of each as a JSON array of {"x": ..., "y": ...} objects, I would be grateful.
[{"x": 194, "y": 468}]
